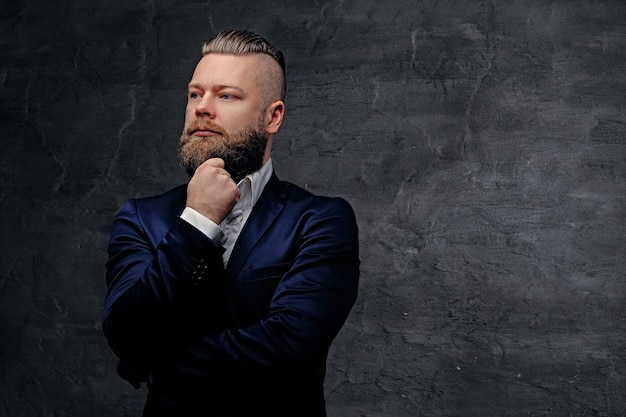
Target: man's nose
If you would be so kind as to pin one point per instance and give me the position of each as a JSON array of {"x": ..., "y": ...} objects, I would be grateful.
[{"x": 205, "y": 107}]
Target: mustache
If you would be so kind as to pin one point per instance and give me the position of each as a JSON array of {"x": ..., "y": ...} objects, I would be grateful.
[{"x": 203, "y": 125}]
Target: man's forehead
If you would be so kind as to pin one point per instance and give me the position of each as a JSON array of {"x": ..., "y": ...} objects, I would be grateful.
[{"x": 229, "y": 69}]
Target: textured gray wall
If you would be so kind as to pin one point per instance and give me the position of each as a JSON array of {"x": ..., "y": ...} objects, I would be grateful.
[{"x": 482, "y": 145}]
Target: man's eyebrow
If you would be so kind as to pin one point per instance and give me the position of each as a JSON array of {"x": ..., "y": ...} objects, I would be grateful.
[{"x": 217, "y": 87}]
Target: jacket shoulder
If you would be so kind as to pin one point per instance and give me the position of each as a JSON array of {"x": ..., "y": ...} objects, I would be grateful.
[
  {"x": 161, "y": 208},
  {"x": 167, "y": 202}
]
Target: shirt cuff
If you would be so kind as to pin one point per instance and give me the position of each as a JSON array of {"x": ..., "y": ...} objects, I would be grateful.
[{"x": 203, "y": 224}]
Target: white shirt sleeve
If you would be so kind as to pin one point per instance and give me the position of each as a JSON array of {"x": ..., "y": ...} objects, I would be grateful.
[{"x": 206, "y": 226}]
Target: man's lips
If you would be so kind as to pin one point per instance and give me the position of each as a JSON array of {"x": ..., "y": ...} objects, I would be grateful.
[{"x": 205, "y": 133}]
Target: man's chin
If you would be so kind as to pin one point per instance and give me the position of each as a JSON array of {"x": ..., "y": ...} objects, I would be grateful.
[{"x": 240, "y": 157}]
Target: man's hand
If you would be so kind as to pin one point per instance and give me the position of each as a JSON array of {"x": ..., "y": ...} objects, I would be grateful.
[{"x": 211, "y": 191}]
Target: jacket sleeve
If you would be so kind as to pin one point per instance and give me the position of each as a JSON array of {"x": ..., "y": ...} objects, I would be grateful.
[
  {"x": 151, "y": 287},
  {"x": 310, "y": 305}
]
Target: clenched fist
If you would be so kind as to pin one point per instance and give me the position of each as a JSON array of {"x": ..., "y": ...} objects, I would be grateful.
[{"x": 211, "y": 191}]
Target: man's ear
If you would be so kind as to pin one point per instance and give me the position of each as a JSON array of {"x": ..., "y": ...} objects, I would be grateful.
[{"x": 275, "y": 113}]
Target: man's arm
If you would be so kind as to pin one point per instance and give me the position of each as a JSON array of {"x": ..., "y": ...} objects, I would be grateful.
[
  {"x": 149, "y": 281},
  {"x": 310, "y": 304},
  {"x": 152, "y": 304},
  {"x": 151, "y": 290}
]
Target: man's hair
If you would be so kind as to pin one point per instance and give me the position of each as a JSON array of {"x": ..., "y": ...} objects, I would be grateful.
[{"x": 243, "y": 42}]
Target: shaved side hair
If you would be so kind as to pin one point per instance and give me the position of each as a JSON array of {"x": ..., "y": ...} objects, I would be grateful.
[{"x": 243, "y": 42}]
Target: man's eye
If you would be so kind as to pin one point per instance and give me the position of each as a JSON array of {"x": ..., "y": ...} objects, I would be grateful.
[
  {"x": 227, "y": 97},
  {"x": 194, "y": 95}
]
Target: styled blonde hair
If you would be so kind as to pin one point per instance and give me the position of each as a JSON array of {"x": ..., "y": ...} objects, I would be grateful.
[{"x": 243, "y": 42}]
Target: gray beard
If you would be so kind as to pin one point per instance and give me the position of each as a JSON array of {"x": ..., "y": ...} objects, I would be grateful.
[{"x": 240, "y": 158}]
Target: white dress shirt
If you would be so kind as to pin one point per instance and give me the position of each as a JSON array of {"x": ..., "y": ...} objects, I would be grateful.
[{"x": 227, "y": 232}]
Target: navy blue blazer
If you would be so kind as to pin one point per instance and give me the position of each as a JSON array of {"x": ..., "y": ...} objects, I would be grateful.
[{"x": 247, "y": 339}]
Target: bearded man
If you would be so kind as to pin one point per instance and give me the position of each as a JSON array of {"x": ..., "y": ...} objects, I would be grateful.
[{"x": 226, "y": 293}]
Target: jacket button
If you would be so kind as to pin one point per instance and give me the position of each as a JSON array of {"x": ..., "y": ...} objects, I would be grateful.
[{"x": 200, "y": 272}]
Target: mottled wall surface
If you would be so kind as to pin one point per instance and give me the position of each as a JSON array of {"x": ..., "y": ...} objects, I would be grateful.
[{"x": 482, "y": 145}]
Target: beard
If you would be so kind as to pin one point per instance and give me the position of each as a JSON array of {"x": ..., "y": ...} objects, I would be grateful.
[{"x": 242, "y": 151}]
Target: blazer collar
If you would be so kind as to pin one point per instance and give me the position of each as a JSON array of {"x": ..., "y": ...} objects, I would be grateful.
[{"x": 268, "y": 207}]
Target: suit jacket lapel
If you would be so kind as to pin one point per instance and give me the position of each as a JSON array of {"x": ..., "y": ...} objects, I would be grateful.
[{"x": 270, "y": 204}]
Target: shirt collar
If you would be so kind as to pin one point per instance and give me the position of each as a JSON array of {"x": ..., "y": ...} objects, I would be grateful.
[{"x": 256, "y": 183}]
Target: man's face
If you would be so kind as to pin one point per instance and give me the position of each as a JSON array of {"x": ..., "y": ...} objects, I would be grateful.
[{"x": 225, "y": 117}]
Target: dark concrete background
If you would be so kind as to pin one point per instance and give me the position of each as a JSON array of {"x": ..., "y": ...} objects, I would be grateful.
[{"x": 482, "y": 145}]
